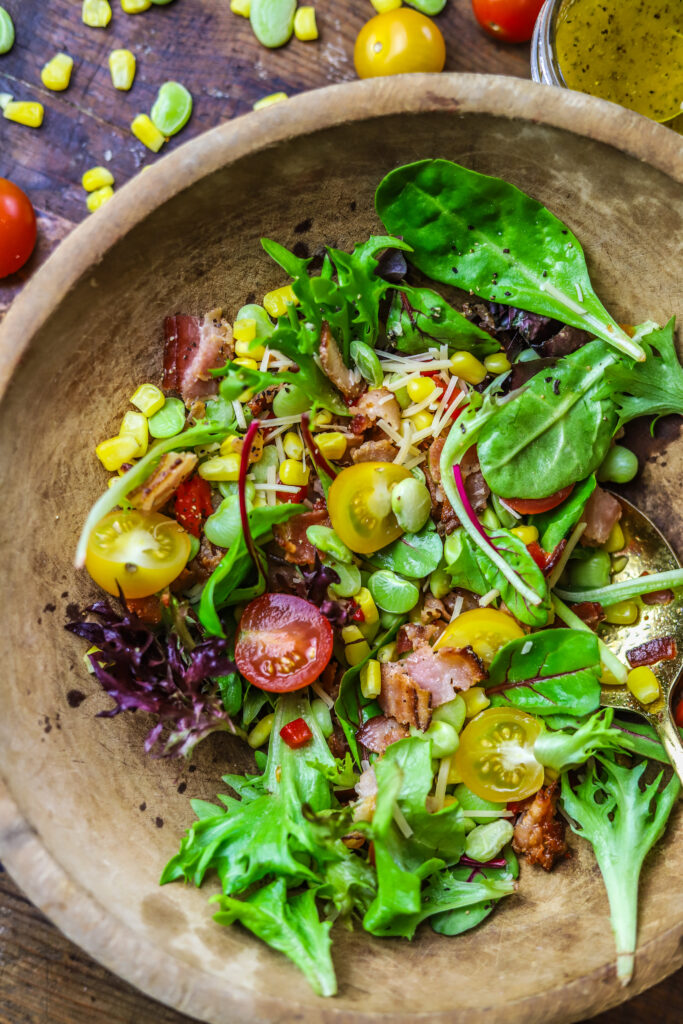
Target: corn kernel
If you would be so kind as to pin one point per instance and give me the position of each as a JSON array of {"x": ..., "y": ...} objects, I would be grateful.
[
  {"x": 616, "y": 539},
  {"x": 97, "y": 177},
  {"x": 357, "y": 651},
  {"x": 236, "y": 444},
  {"x": 122, "y": 66},
  {"x": 28, "y": 113},
  {"x": 454, "y": 776},
  {"x": 367, "y": 605},
  {"x": 248, "y": 350},
  {"x": 242, "y": 7},
  {"x": 422, "y": 420},
  {"x": 276, "y": 302},
  {"x": 96, "y": 13},
  {"x": 475, "y": 701},
  {"x": 56, "y": 74},
  {"x": 350, "y": 634},
  {"x": 527, "y": 534},
  {"x": 267, "y": 101},
  {"x": 624, "y": 613},
  {"x": 322, "y": 418},
  {"x": 248, "y": 364},
  {"x": 135, "y": 6},
  {"x": 244, "y": 330},
  {"x": 148, "y": 399},
  {"x": 497, "y": 363},
  {"x": 643, "y": 684},
  {"x": 293, "y": 445},
  {"x": 420, "y": 388},
  {"x": 134, "y": 425},
  {"x": 293, "y": 473},
  {"x": 332, "y": 444},
  {"x": 305, "y": 27},
  {"x": 113, "y": 452},
  {"x": 99, "y": 198},
  {"x": 371, "y": 679},
  {"x": 222, "y": 467},
  {"x": 382, "y": 6},
  {"x": 144, "y": 129},
  {"x": 261, "y": 732},
  {"x": 607, "y": 678},
  {"x": 467, "y": 367},
  {"x": 389, "y": 652}
]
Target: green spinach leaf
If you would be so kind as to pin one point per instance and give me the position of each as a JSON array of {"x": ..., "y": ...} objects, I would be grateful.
[
  {"x": 420, "y": 317},
  {"x": 414, "y": 555},
  {"x": 554, "y": 526}
]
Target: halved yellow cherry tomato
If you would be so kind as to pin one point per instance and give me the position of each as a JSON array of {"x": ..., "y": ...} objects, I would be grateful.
[
  {"x": 140, "y": 552},
  {"x": 495, "y": 757},
  {"x": 398, "y": 42},
  {"x": 485, "y": 630},
  {"x": 359, "y": 504}
]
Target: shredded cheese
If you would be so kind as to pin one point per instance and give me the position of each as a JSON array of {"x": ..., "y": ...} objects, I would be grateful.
[
  {"x": 325, "y": 697},
  {"x": 400, "y": 819},
  {"x": 488, "y": 598},
  {"x": 510, "y": 509},
  {"x": 527, "y": 647},
  {"x": 457, "y": 607},
  {"x": 239, "y": 415}
]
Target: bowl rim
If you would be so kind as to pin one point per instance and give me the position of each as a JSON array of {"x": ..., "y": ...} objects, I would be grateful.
[{"x": 47, "y": 884}]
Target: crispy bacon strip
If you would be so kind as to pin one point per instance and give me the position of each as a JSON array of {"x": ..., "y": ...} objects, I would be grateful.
[
  {"x": 194, "y": 346},
  {"x": 426, "y": 679},
  {"x": 348, "y": 381},
  {"x": 173, "y": 469},
  {"x": 380, "y": 732},
  {"x": 540, "y": 833},
  {"x": 662, "y": 648},
  {"x": 379, "y": 404},
  {"x": 601, "y": 513},
  {"x": 589, "y": 612},
  {"x": 291, "y": 536}
]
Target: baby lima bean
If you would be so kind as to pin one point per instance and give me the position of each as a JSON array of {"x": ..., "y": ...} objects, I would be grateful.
[
  {"x": 6, "y": 31},
  {"x": 172, "y": 108},
  {"x": 273, "y": 21},
  {"x": 411, "y": 504}
]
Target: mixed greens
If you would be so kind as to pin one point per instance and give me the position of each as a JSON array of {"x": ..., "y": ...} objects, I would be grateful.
[{"x": 374, "y": 540}]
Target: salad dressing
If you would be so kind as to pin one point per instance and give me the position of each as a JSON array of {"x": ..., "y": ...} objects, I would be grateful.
[{"x": 627, "y": 51}]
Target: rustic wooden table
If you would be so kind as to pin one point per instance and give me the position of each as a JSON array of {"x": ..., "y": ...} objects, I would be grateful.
[{"x": 45, "y": 979}]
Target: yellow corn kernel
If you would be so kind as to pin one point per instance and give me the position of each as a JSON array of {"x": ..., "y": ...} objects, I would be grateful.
[
  {"x": 247, "y": 350},
  {"x": 350, "y": 634},
  {"x": 293, "y": 473},
  {"x": 371, "y": 679},
  {"x": 135, "y": 6},
  {"x": 248, "y": 364},
  {"x": 267, "y": 101},
  {"x": 113, "y": 452},
  {"x": 467, "y": 367},
  {"x": 148, "y": 399},
  {"x": 616, "y": 539},
  {"x": 97, "y": 177},
  {"x": 643, "y": 684},
  {"x": 122, "y": 66},
  {"x": 99, "y": 198},
  {"x": 242, "y": 7},
  {"x": 28, "y": 113},
  {"x": 222, "y": 467},
  {"x": 144, "y": 129},
  {"x": 497, "y": 363},
  {"x": 293, "y": 445},
  {"x": 276, "y": 302},
  {"x": 527, "y": 534},
  {"x": 382, "y": 6},
  {"x": 244, "y": 330},
  {"x": 357, "y": 651},
  {"x": 305, "y": 27},
  {"x": 367, "y": 605},
  {"x": 134, "y": 425},
  {"x": 420, "y": 388},
  {"x": 607, "y": 678},
  {"x": 332, "y": 444},
  {"x": 475, "y": 701},
  {"x": 261, "y": 732},
  {"x": 389, "y": 652},
  {"x": 454, "y": 776},
  {"x": 236, "y": 444},
  {"x": 96, "y": 13},
  {"x": 56, "y": 74},
  {"x": 624, "y": 613},
  {"x": 422, "y": 420}
]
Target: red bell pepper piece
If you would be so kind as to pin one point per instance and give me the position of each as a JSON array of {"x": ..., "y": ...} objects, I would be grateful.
[
  {"x": 193, "y": 504},
  {"x": 296, "y": 734}
]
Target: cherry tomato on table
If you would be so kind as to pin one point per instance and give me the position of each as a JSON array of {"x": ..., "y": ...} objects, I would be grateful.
[
  {"x": 17, "y": 228},
  {"x": 140, "y": 552},
  {"x": 283, "y": 643},
  {"x": 532, "y": 506},
  {"x": 496, "y": 756},
  {"x": 359, "y": 504},
  {"x": 398, "y": 42},
  {"x": 511, "y": 21}
]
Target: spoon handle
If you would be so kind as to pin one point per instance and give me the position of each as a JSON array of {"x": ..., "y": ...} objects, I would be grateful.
[{"x": 671, "y": 741}]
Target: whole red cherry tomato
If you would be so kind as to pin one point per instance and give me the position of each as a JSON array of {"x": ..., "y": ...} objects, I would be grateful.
[
  {"x": 511, "y": 21},
  {"x": 17, "y": 228}
]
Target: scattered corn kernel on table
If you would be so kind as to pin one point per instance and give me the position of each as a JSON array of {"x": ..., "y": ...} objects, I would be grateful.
[{"x": 44, "y": 979}]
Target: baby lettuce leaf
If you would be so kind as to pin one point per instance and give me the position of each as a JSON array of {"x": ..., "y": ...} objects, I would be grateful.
[
  {"x": 550, "y": 671},
  {"x": 420, "y": 317},
  {"x": 414, "y": 555},
  {"x": 484, "y": 235},
  {"x": 288, "y": 922},
  {"x": 554, "y": 526},
  {"x": 360, "y": 286},
  {"x": 463, "y": 918},
  {"x": 555, "y": 431},
  {"x": 561, "y": 750},
  {"x": 652, "y": 388},
  {"x": 622, "y": 822}
]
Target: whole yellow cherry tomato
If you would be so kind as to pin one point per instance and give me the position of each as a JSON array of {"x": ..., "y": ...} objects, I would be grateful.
[
  {"x": 485, "y": 630},
  {"x": 359, "y": 503},
  {"x": 398, "y": 42},
  {"x": 495, "y": 757},
  {"x": 140, "y": 552}
]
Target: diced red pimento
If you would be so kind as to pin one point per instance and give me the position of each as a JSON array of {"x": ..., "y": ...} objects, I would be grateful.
[
  {"x": 193, "y": 504},
  {"x": 296, "y": 734}
]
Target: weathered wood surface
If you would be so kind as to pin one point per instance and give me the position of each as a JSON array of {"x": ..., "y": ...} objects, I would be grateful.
[{"x": 43, "y": 977}]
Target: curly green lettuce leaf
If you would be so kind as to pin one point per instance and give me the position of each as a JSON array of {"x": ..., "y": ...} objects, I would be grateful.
[{"x": 653, "y": 388}]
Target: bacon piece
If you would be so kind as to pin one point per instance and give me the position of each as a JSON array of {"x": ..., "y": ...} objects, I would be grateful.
[
  {"x": 661, "y": 648},
  {"x": 375, "y": 451},
  {"x": 601, "y": 513},
  {"x": 291, "y": 536},
  {"x": 540, "y": 833},
  {"x": 566, "y": 341},
  {"x": 657, "y": 596},
  {"x": 433, "y": 609},
  {"x": 173, "y": 469},
  {"x": 349, "y": 382},
  {"x": 379, "y": 404},
  {"x": 404, "y": 699},
  {"x": 589, "y": 612},
  {"x": 426, "y": 679},
  {"x": 412, "y": 632},
  {"x": 380, "y": 732},
  {"x": 193, "y": 346},
  {"x": 434, "y": 458}
]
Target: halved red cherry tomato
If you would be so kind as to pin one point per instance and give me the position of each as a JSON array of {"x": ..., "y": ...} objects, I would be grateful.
[
  {"x": 532, "y": 506},
  {"x": 284, "y": 643},
  {"x": 17, "y": 228},
  {"x": 193, "y": 504},
  {"x": 296, "y": 734},
  {"x": 398, "y": 42},
  {"x": 511, "y": 21}
]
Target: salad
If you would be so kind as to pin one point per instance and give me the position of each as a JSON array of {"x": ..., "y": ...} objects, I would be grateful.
[{"x": 362, "y": 529}]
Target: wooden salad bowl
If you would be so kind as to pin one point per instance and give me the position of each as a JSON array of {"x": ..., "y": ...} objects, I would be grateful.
[{"x": 87, "y": 820}]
